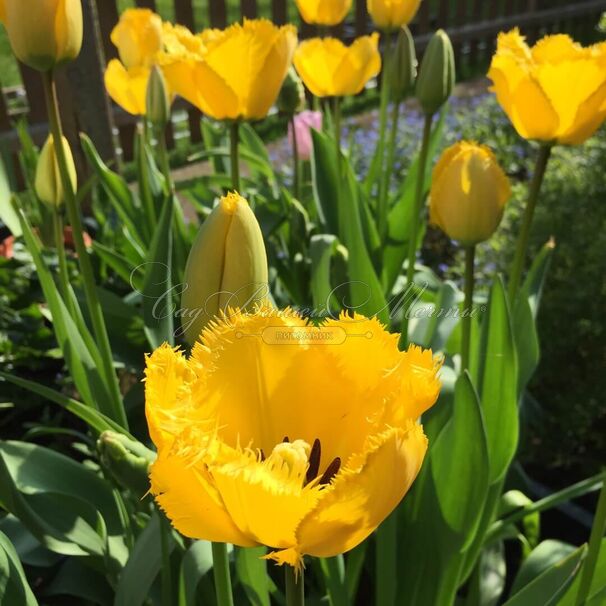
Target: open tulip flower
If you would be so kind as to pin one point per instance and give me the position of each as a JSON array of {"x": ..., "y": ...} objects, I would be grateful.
[
  {"x": 258, "y": 444},
  {"x": 323, "y": 12},
  {"x": 391, "y": 14},
  {"x": 138, "y": 37},
  {"x": 330, "y": 69},
  {"x": 553, "y": 92},
  {"x": 207, "y": 69}
]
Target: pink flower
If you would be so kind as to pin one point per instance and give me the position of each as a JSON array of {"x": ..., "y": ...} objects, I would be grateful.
[
  {"x": 6, "y": 247},
  {"x": 304, "y": 122}
]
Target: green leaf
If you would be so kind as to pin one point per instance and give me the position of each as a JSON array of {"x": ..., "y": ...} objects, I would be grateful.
[
  {"x": 252, "y": 572},
  {"x": 157, "y": 297},
  {"x": 14, "y": 588},
  {"x": 497, "y": 371},
  {"x": 142, "y": 566},
  {"x": 492, "y": 574},
  {"x": 93, "y": 418},
  {"x": 7, "y": 213},
  {"x": 544, "y": 556},
  {"x": 597, "y": 592},
  {"x": 76, "y": 579},
  {"x": 30, "y": 551},
  {"x": 252, "y": 145},
  {"x": 550, "y": 586},
  {"x": 196, "y": 563},
  {"x": 324, "y": 179},
  {"x": 132, "y": 275},
  {"x": 461, "y": 452},
  {"x": 322, "y": 249}
]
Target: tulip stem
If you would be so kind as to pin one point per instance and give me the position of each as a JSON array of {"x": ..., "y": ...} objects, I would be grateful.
[
  {"x": 86, "y": 269},
  {"x": 295, "y": 586},
  {"x": 234, "y": 155},
  {"x": 222, "y": 575},
  {"x": 61, "y": 260},
  {"x": 522, "y": 246},
  {"x": 381, "y": 199},
  {"x": 164, "y": 161},
  {"x": 470, "y": 255},
  {"x": 595, "y": 542},
  {"x": 414, "y": 233},
  {"x": 296, "y": 162},
  {"x": 384, "y": 191}
]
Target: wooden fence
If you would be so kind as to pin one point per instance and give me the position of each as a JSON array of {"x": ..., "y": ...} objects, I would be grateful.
[{"x": 472, "y": 25}]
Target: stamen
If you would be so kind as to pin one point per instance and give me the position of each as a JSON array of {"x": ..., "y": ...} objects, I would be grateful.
[
  {"x": 314, "y": 461},
  {"x": 331, "y": 471},
  {"x": 285, "y": 439},
  {"x": 261, "y": 455}
]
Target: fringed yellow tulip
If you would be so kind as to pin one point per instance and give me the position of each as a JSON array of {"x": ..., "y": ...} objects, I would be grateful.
[
  {"x": 329, "y": 68},
  {"x": 272, "y": 434},
  {"x": 468, "y": 193},
  {"x": 323, "y": 12},
  {"x": 48, "y": 183},
  {"x": 553, "y": 92},
  {"x": 139, "y": 39},
  {"x": 232, "y": 74},
  {"x": 391, "y": 14},
  {"x": 43, "y": 33}
]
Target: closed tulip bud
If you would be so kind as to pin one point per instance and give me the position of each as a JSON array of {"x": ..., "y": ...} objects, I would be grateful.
[
  {"x": 226, "y": 268},
  {"x": 45, "y": 33},
  {"x": 157, "y": 101},
  {"x": 126, "y": 460},
  {"x": 48, "y": 183},
  {"x": 469, "y": 191},
  {"x": 437, "y": 74},
  {"x": 292, "y": 95},
  {"x": 403, "y": 65}
]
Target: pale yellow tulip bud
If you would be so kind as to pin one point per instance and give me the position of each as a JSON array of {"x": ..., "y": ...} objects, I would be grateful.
[
  {"x": 157, "y": 100},
  {"x": 45, "y": 33},
  {"x": 437, "y": 74},
  {"x": 226, "y": 268},
  {"x": 469, "y": 191},
  {"x": 48, "y": 184}
]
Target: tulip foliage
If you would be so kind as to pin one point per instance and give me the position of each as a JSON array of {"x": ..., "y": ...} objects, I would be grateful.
[{"x": 315, "y": 401}]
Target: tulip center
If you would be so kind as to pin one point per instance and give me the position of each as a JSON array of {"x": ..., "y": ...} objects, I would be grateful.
[{"x": 301, "y": 460}]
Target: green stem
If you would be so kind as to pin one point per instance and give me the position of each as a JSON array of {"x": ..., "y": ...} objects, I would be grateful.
[
  {"x": 522, "y": 246},
  {"x": 165, "y": 572},
  {"x": 386, "y": 175},
  {"x": 222, "y": 575},
  {"x": 416, "y": 220},
  {"x": 383, "y": 127},
  {"x": 234, "y": 155},
  {"x": 386, "y": 556},
  {"x": 595, "y": 542},
  {"x": 164, "y": 161},
  {"x": 73, "y": 214},
  {"x": 62, "y": 261},
  {"x": 296, "y": 162},
  {"x": 470, "y": 255},
  {"x": 295, "y": 591}
]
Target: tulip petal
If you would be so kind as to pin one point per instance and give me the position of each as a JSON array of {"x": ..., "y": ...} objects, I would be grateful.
[
  {"x": 361, "y": 63},
  {"x": 128, "y": 88},
  {"x": 533, "y": 114},
  {"x": 317, "y": 60},
  {"x": 364, "y": 493},
  {"x": 590, "y": 116},
  {"x": 322, "y": 12},
  {"x": 187, "y": 495},
  {"x": 68, "y": 28}
]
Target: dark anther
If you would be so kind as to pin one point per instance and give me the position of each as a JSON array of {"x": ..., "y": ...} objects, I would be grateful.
[
  {"x": 286, "y": 439},
  {"x": 261, "y": 455},
  {"x": 314, "y": 461},
  {"x": 331, "y": 471}
]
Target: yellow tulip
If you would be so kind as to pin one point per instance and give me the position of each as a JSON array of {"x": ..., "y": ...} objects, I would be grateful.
[
  {"x": 248, "y": 451},
  {"x": 43, "y": 33},
  {"x": 391, "y": 14},
  {"x": 323, "y": 12},
  {"x": 554, "y": 91},
  {"x": 139, "y": 38},
  {"x": 329, "y": 68},
  {"x": 227, "y": 266},
  {"x": 234, "y": 73},
  {"x": 469, "y": 191},
  {"x": 48, "y": 183}
]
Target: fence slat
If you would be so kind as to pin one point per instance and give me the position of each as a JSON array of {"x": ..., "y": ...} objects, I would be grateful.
[
  {"x": 151, "y": 4},
  {"x": 362, "y": 17},
  {"x": 248, "y": 8},
  {"x": 279, "y": 12},
  {"x": 184, "y": 13},
  {"x": 217, "y": 13},
  {"x": 443, "y": 13},
  {"x": 108, "y": 17}
]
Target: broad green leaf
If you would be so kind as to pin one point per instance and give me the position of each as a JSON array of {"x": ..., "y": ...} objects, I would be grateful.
[
  {"x": 322, "y": 249},
  {"x": 544, "y": 556},
  {"x": 143, "y": 565},
  {"x": 76, "y": 579},
  {"x": 14, "y": 588},
  {"x": 132, "y": 275},
  {"x": 7, "y": 213},
  {"x": 461, "y": 452},
  {"x": 597, "y": 592},
  {"x": 550, "y": 586},
  {"x": 497, "y": 372},
  {"x": 252, "y": 572},
  {"x": 492, "y": 574},
  {"x": 157, "y": 291},
  {"x": 252, "y": 145},
  {"x": 333, "y": 571},
  {"x": 29, "y": 549},
  {"x": 324, "y": 179},
  {"x": 196, "y": 563}
]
